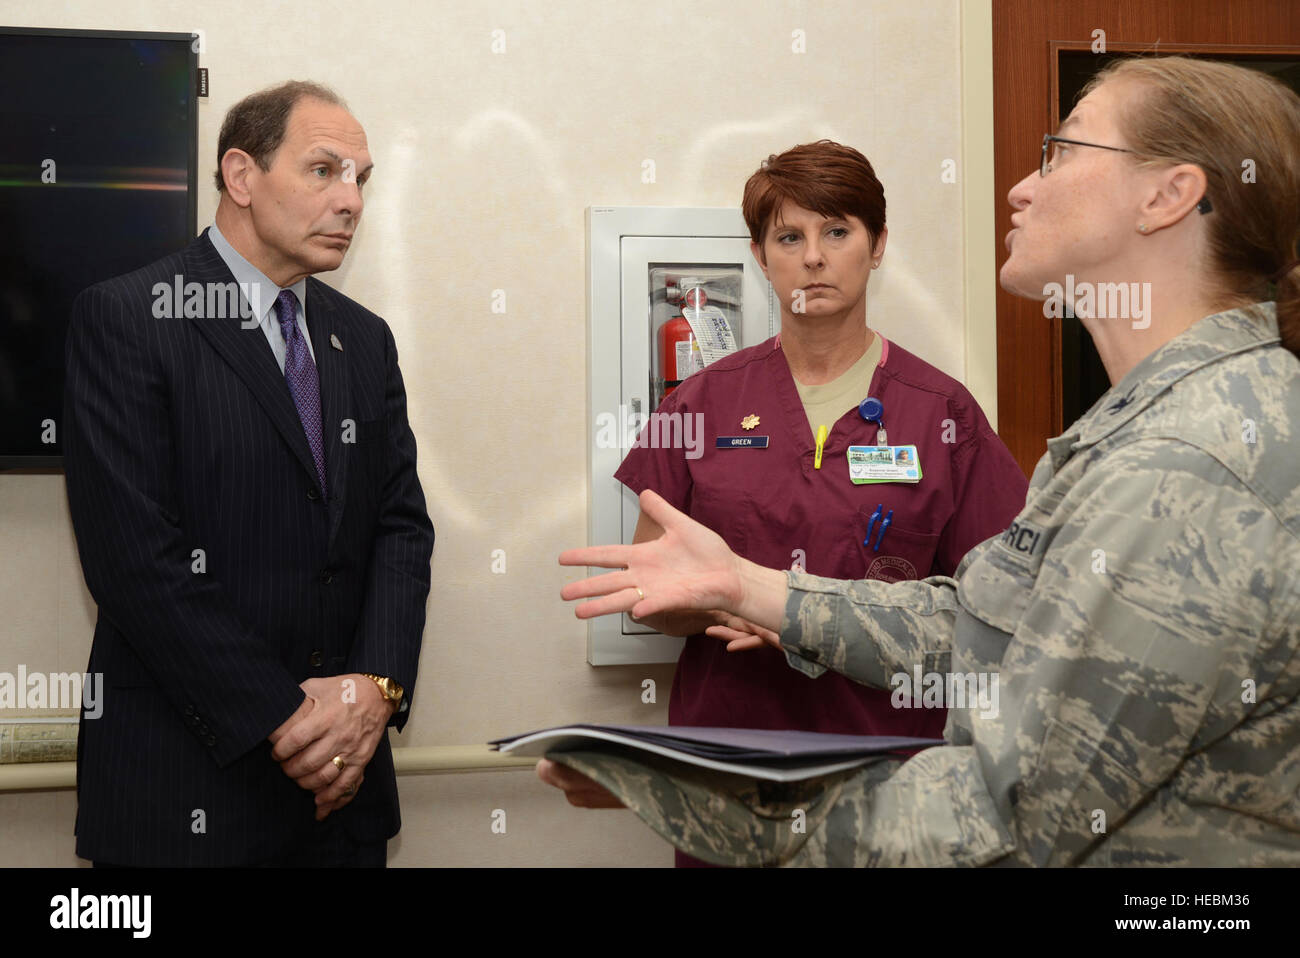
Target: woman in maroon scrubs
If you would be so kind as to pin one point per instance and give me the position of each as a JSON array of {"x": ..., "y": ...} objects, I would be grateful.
[{"x": 816, "y": 216}]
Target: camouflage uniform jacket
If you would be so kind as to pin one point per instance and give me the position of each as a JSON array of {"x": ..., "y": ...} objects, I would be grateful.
[{"x": 1142, "y": 619}]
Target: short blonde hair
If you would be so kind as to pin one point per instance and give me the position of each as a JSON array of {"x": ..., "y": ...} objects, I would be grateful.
[{"x": 1228, "y": 120}]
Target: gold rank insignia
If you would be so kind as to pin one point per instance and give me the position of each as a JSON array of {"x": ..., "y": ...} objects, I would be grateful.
[{"x": 749, "y": 422}]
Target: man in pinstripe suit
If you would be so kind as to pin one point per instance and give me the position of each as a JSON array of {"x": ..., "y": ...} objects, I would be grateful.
[{"x": 250, "y": 523}]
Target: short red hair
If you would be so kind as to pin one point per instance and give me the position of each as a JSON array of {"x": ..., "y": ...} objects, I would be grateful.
[{"x": 825, "y": 177}]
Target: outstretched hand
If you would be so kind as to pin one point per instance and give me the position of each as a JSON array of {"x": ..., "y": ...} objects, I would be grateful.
[{"x": 688, "y": 567}]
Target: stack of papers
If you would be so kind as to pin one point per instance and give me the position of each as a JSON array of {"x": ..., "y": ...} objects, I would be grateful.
[{"x": 778, "y": 756}]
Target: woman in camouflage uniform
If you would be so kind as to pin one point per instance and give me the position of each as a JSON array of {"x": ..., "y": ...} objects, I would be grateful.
[{"x": 1141, "y": 616}]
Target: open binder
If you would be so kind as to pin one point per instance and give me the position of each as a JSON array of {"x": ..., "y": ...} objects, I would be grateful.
[{"x": 778, "y": 756}]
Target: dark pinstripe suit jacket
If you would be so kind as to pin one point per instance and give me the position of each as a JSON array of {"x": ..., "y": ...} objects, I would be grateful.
[{"x": 181, "y": 435}]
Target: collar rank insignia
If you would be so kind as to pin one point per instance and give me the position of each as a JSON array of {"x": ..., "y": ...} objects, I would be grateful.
[{"x": 1122, "y": 402}]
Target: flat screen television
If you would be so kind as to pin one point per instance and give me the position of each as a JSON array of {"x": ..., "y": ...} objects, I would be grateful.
[{"x": 98, "y": 173}]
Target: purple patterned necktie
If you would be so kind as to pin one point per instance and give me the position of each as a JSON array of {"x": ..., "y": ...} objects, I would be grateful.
[{"x": 300, "y": 374}]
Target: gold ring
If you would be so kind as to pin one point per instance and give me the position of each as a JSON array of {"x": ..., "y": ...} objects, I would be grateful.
[
  {"x": 639, "y": 592},
  {"x": 350, "y": 791},
  {"x": 339, "y": 763}
]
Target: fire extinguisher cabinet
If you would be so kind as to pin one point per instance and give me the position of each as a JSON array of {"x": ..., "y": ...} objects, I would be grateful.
[{"x": 668, "y": 291}]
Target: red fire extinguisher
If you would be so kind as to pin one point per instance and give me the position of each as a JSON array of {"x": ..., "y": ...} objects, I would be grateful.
[{"x": 676, "y": 343}]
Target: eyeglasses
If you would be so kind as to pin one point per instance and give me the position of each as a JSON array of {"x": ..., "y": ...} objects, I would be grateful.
[{"x": 1045, "y": 166}]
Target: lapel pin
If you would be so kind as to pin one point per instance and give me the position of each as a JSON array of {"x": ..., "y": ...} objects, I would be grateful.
[
  {"x": 749, "y": 422},
  {"x": 334, "y": 341}
]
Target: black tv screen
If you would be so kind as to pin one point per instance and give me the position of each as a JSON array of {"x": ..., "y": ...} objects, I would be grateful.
[{"x": 98, "y": 146}]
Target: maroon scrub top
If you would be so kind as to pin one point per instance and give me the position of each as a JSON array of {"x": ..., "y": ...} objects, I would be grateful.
[{"x": 772, "y": 507}]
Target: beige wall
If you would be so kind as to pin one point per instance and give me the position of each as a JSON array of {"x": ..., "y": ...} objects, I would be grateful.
[{"x": 485, "y": 163}]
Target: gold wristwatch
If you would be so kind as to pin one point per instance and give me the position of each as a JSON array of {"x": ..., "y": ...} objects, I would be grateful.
[{"x": 391, "y": 690}]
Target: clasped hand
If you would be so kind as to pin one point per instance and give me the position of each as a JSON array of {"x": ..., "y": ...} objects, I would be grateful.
[{"x": 343, "y": 716}]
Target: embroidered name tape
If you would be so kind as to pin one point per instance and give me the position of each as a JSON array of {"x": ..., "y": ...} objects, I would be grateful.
[{"x": 1024, "y": 537}]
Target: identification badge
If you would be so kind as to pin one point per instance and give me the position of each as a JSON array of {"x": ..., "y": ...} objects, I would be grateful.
[
  {"x": 868, "y": 464},
  {"x": 742, "y": 442}
]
